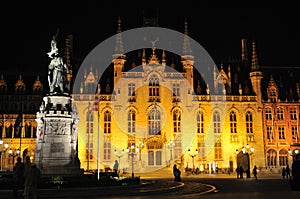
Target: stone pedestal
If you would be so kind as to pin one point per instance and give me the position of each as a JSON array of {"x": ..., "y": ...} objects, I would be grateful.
[{"x": 56, "y": 143}]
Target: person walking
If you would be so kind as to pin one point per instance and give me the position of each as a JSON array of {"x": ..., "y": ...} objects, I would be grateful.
[
  {"x": 176, "y": 173},
  {"x": 18, "y": 177},
  {"x": 254, "y": 171},
  {"x": 116, "y": 168},
  {"x": 35, "y": 177},
  {"x": 27, "y": 177},
  {"x": 237, "y": 170},
  {"x": 283, "y": 173},
  {"x": 288, "y": 172},
  {"x": 241, "y": 170}
]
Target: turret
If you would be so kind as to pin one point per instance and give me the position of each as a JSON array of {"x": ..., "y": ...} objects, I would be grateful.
[
  {"x": 256, "y": 76},
  {"x": 187, "y": 59},
  {"x": 118, "y": 58}
]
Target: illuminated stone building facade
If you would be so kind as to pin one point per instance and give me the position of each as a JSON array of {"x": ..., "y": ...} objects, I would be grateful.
[{"x": 155, "y": 104}]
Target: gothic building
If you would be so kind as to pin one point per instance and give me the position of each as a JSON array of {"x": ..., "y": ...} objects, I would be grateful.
[{"x": 152, "y": 109}]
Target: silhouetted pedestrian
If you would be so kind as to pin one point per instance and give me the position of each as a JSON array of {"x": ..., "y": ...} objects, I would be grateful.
[
  {"x": 35, "y": 177},
  {"x": 116, "y": 168},
  {"x": 283, "y": 173},
  {"x": 18, "y": 177},
  {"x": 254, "y": 171},
  {"x": 27, "y": 177},
  {"x": 288, "y": 172},
  {"x": 241, "y": 170},
  {"x": 237, "y": 170},
  {"x": 176, "y": 173}
]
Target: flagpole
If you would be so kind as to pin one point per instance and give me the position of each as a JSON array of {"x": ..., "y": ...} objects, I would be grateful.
[
  {"x": 98, "y": 140},
  {"x": 20, "y": 148}
]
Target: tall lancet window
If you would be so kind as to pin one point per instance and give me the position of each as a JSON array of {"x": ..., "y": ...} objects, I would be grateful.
[
  {"x": 217, "y": 122},
  {"x": 200, "y": 122},
  {"x": 177, "y": 121},
  {"x": 233, "y": 122},
  {"x": 89, "y": 135},
  {"x": 154, "y": 122},
  {"x": 153, "y": 86},
  {"x": 249, "y": 122},
  {"x": 131, "y": 121},
  {"x": 107, "y": 122}
]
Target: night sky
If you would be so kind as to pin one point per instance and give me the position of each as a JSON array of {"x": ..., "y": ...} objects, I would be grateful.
[{"x": 27, "y": 31}]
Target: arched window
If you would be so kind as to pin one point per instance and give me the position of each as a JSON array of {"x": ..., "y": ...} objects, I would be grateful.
[
  {"x": 107, "y": 122},
  {"x": 283, "y": 157},
  {"x": 154, "y": 122},
  {"x": 8, "y": 131},
  {"x": 249, "y": 122},
  {"x": 200, "y": 122},
  {"x": 271, "y": 157},
  {"x": 154, "y": 86},
  {"x": 217, "y": 122},
  {"x": 131, "y": 121},
  {"x": 279, "y": 113},
  {"x": 27, "y": 130},
  {"x": 233, "y": 122},
  {"x": 177, "y": 121},
  {"x": 268, "y": 114},
  {"x": 89, "y": 122}
]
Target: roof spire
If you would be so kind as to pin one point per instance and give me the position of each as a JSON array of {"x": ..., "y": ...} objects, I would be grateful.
[
  {"x": 254, "y": 65},
  {"x": 244, "y": 50},
  {"x": 186, "y": 42},
  {"x": 119, "y": 41}
]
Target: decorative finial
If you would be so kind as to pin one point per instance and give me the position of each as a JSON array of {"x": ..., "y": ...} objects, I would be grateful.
[{"x": 254, "y": 65}]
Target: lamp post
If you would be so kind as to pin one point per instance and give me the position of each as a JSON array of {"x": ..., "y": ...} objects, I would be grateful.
[
  {"x": 119, "y": 155},
  {"x": 3, "y": 151},
  {"x": 247, "y": 151},
  {"x": 139, "y": 148},
  {"x": 171, "y": 146},
  {"x": 131, "y": 153},
  {"x": 193, "y": 156}
]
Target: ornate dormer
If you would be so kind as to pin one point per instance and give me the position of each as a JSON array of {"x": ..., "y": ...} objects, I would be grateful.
[
  {"x": 20, "y": 86},
  {"x": 154, "y": 63},
  {"x": 37, "y": 87},
  {"x": 3, "y": 85},
  {"x": 272, "y": 91},
  {"x": 221, "y": 79},
  {"x": 90, "y": 82}
]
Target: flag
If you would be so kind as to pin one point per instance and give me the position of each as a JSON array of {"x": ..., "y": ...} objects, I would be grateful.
[
  {"x": 95, "y": 105},
  {"x": 96, "y": 99},
  {"x": 18, "y": 121}
]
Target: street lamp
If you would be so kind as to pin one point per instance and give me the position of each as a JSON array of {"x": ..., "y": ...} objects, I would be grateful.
[
  {"x": 119, "y": 155},
  {"x": 248, "y": 151},
  {"x": 3, "y": 151},
  {"x": 131, "y": 153},
  {"x": 139, "y": 148},
  {"x": 193, "y": 156}
]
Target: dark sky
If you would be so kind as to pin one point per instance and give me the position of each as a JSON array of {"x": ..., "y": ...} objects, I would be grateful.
[{"x": 26, "y": 30}]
